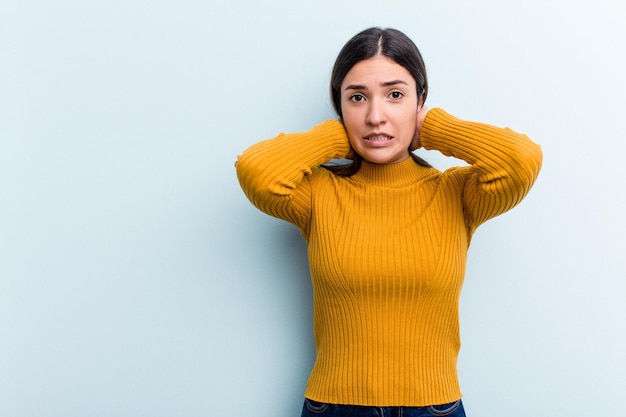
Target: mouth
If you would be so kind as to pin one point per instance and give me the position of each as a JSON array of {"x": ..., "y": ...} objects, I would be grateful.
[{"x": 378, "y": 138}]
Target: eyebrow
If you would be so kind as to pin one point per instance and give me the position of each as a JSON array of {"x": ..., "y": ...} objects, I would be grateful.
[{"x": 385, "y": 84}]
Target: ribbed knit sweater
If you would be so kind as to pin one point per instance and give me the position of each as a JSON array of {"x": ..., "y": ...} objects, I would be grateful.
[{"x": 387, "y": 250}]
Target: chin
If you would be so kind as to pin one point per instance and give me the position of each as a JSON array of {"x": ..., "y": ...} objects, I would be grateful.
[
  {"x": 384, "y": 160},
  {"x": 380, "y": 161}
]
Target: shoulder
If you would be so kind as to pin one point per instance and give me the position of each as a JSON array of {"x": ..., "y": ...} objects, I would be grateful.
[
  {"x": 456, "y": 175},
  {"x": 322, "y": 174}
]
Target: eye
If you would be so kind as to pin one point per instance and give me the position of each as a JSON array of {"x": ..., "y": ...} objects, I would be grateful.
[
  {"x": 396, "y": 95},
  {"x": 356, "y": 98}
]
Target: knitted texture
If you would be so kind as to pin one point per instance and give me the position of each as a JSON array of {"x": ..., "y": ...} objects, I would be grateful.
[{"x": 387, "y": 250}]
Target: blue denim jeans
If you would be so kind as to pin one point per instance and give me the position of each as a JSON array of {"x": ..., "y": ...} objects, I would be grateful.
[{"x": 316, "y": 409}]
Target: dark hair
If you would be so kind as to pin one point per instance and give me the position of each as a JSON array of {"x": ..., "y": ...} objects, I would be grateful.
[{"x": 367, "y": 44}]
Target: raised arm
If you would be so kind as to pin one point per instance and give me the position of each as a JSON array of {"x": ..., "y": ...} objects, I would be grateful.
[
  {"x": 272, "y": 172},
  {"x": 503, "y": 164}
]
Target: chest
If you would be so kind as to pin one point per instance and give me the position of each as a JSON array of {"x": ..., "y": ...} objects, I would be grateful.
[{"x": 361, "y": 238}]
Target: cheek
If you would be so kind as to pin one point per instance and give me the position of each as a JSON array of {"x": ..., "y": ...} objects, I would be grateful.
[
  {"x": 351, "y": 122},
  {"x": 409, "y": 120},
  {"x": 348, "y": 113}
]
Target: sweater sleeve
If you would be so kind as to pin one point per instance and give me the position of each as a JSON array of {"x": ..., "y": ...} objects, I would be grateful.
[
  {"x": 273, "y": 173},
  {"x": 503, "y": 164}
]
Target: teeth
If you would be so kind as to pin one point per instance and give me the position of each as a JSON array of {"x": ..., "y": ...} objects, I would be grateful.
[{"x": 379, "y": 137}]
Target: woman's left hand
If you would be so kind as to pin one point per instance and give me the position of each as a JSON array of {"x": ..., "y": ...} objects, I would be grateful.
[{"x": 421, "y": 115}]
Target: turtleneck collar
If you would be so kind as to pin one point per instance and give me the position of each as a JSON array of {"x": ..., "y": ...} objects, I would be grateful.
[{"x": 391, "y": 175}]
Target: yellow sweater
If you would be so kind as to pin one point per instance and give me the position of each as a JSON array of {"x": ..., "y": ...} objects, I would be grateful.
[{"x": 387, "y": 250}]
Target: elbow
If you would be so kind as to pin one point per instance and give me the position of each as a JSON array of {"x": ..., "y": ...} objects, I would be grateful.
[
  {"x": 532, "y": 160},
  {"x": 525, "y": 170},
  {"x": 250, "y": 175},
  {"x": 258, "y": 180}
]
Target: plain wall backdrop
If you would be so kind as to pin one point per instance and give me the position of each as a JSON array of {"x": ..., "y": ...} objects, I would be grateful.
[{"x": 137, "y": 280}]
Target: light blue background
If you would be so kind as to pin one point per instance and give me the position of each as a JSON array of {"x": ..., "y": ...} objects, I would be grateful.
[{"x": 137, "y": 280}]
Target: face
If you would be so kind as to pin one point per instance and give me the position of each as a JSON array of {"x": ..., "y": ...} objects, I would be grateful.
[{"x": 379, "y": 104}]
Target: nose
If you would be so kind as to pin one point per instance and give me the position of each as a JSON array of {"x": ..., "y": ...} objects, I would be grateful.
[{"x": 376, "y": 113}]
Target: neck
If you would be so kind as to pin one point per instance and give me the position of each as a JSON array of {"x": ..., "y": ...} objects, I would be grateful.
[{"x": 391, "y": 175}]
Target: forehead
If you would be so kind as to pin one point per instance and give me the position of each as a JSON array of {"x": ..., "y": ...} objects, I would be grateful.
[{"x": 376, "y": 71}]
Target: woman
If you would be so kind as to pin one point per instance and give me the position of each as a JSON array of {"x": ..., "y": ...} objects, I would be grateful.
[{"x": 387, "y": 234}]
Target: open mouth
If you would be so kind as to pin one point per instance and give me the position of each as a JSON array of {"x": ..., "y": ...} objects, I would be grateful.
[{"x": 379, "y": 138}]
